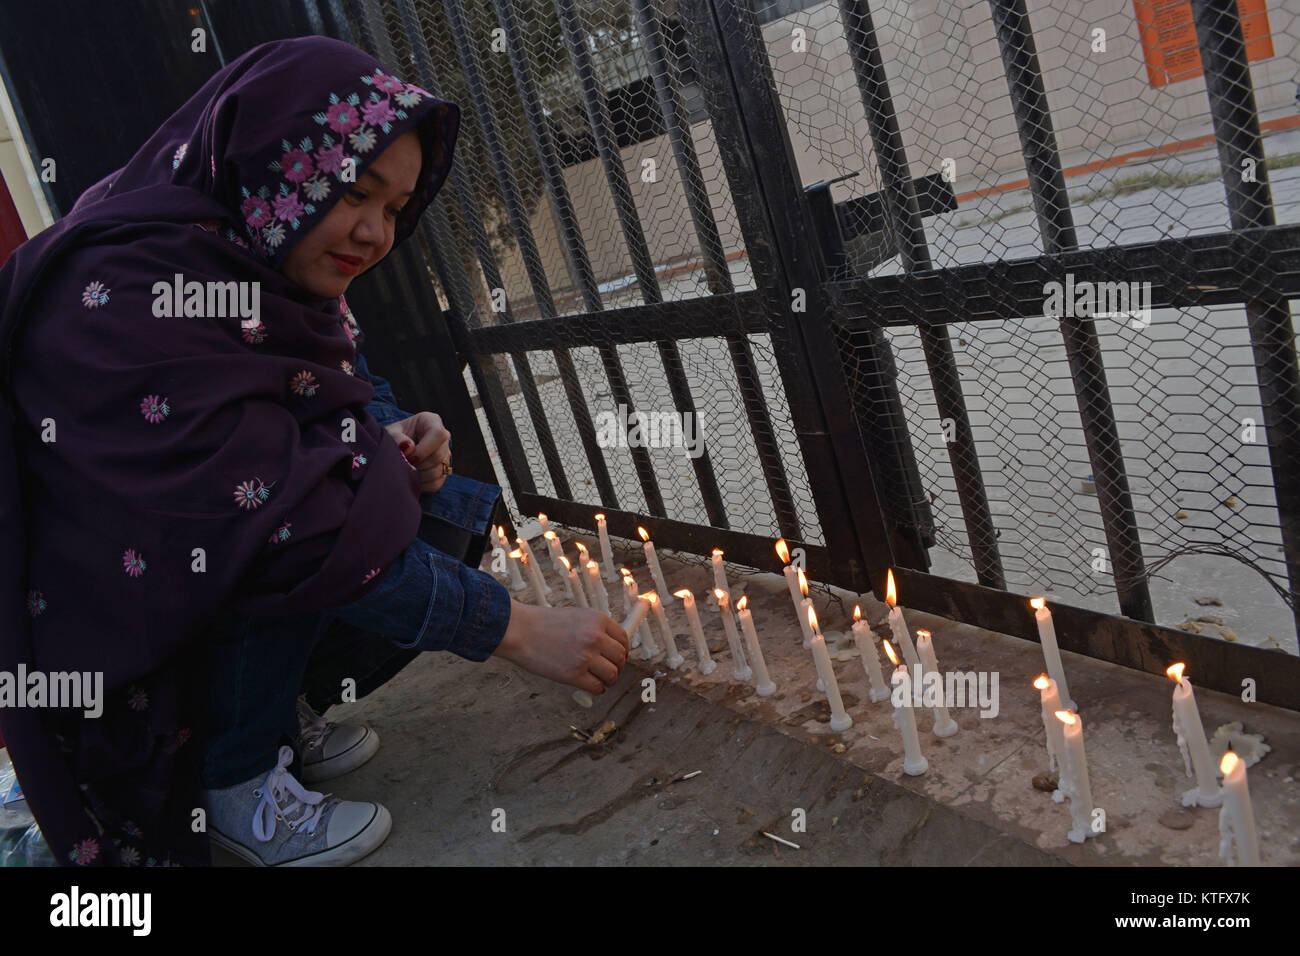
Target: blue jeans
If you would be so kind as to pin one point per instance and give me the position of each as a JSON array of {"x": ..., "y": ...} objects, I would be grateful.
[{"x": 431, "y": 598}]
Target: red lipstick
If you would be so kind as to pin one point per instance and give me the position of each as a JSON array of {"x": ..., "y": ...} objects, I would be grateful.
[{"x": 348, "y": 265}]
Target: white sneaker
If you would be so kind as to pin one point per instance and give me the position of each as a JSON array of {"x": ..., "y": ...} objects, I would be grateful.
[
  {"x": 328, "y": 749},
  {"x": 318, "y": 830}
]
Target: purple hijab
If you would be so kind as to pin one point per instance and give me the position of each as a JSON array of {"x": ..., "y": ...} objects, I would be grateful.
[{"x": 159, "y": 469}]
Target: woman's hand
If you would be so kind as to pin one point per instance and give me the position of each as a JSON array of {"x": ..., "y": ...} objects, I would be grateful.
[
  {"x": 427, "y": 445},
  {"x": 572, "y": 645}
]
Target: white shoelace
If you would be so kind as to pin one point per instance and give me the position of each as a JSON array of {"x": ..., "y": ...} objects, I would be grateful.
[
  {"x": 312, "y": 725},
  {"x": 280, "y": 784}
]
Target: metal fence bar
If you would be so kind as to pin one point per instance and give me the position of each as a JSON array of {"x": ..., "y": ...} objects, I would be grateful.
[
  {"x": 1250, "y": 204},
  {"x": 574, "y": 244},
  {"x": 716, "y": 272},
  {"x": 611, "y": 161},
  {"x": 1083, "y": 349},
  {"x": 904, "y": 215}
]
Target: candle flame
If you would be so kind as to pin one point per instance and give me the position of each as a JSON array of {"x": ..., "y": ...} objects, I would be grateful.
[
  {"x": 625, "y": 572},
  {"x": 721, "y": 595},
  {"x": 1065, "y": 717},
  {"x": 1042, "y": 682},
  {"x": 891, "y": 593},
  {"x": 501, "y": 531},
  {"x": 812, "y": 619},
  {"x": 548, "y": 535},
  {"x": 857, "y": 612},
  {"x": 782, "y": 551},
  {"x": 803, "y": 582},
  {"x": 593, "y": 566},
  {"x": 582, "y": 547},
  {"x": 717, "y": 552},
  {"x": 921, "y": 633},
  {"x": 1175, "y": 671},
  {"x": 520, "y": 542},
  {"x": 600, "y": 517},
  {"x": 645, "y": 535},
  {"x": 565, "y": 561},
  {"x": 1038, "y": 603},
  {"x": 651, "y": 596},
  {"x": 540, "y": 516},
  {"x": 516, "y": 553},
  {"x": 1229, "y": 763},
  {"x": 740, "y": 605},
  {"x": 889, "y": 652},
  {"x": 684, "y": 593}
]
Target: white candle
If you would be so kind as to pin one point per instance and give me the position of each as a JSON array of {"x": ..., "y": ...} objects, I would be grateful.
[
  {"x": 535, "y": 576},
  {"x": 532, "y": 562},
  {"x": 805, "y": 602},
  {"x": 629, "y": 604},
  {"x": 606, "y": 552},
  {"x": 575, "y": 585},
  {"x": 719, "y": 575},
  {"x": 546, "y": 525},
  {"x": 1051, "y": 652},
  {"x": 898, "y": 628},
  {"x": 674, "y": 660},
  {"x": 914, "y": 762},
  {"x": 1080, "y": 790},
  {"x": 1191, "y": 742},
  {"x": 1237, "y": 818},
  {"x": 840, "y": 719},
  {"x": 791, "y": 577},
  {"x": 866, "y": 642},
  {"x": 656, "y": 572},
  {"x": 765, "y": 686},
  {"x": 636, "y": 617},
  {"x": 739, "y": 669},
  {"x": 559, "y": 564},
  {"x": 944, "y": 725},
  {"x": 517, "y": 582},
  {"x": 707, "y": 664},
  {"x": 596, "y": 587},
  {"x": 1050, "y": 702}
]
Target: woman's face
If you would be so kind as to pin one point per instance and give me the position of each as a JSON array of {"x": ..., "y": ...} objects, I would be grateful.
[{"x": 358, "y": 231}]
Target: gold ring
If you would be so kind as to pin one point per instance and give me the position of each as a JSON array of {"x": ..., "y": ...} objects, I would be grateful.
[{"x": 446, "y": 468}]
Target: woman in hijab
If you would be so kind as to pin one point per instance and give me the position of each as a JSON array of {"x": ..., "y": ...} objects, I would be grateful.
[{"x": 192, "y": 490}]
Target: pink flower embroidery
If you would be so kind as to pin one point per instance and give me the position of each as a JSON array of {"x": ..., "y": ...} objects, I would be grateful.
[
  {"x": 252, "y": 494},
  {"x": 358, "y": 461},
  {"x": 370, "y": 575},
  {"x": 131, "y": 830},
  {"x": 138, "y": 699},
  {"x": 154, "y": 409},
  {"x": 378, "y": 114},
  {"x": 288, "y": 207},
  {"x": 130, "y": 856},
  {"x": 84, "y": 852},
  {"x": 36, "y": 603},
  {"x": 256, "y": 211},
  {"x": 132, "y": 563},
  {"x": 253, "y": 333},
  {"x": 179, "y": 155},
  {"x": 94, "y": 295},
  {"x": 329, "y": 159},
  {"x": 304, "y": 383},
  {"x": 342, "y": 118},
  {"x": 388, "y": 84},
  {"x": 346, "y": 366},
  {"x": 296, "y": 165}
]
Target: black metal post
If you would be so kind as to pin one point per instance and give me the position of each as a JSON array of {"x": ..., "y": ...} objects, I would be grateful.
[
  {"x": 1250, "y": 205},
  {"x": 716, "y": 272},
  {"x": 1082, "y": 347},
  {"x": 574, "y": 244}
]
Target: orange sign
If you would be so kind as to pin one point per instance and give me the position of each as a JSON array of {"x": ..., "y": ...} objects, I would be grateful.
[{"x": 1169, "y": 37}]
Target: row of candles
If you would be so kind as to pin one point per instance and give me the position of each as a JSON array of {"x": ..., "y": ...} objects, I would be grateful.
[{"x": 1063, "y": 726}]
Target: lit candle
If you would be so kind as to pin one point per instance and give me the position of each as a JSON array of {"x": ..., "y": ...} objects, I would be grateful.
[
  {"x": 546, "y": 525},
  {"x": 575, "y": 585},
  {"x": 707, "y": 664},
  {"x": 1191, "y": 742},
  {"x": 596, "y": 587},
  {"x": 1050, "y": 702},
  {"x": 636, "y": 617},
  {"x": 583, "y": 556},
  {"x": 1080, "y": 789},
  {"x": 532, "y": 562},
  {"x": 791, "y": 578},
  {"x": 739, "y": 669},
  {"x": 1237, "y": 818},
  {"x": 866, "y": 642},
  {"x": 840, "y": 719},
  {"x": 764, "y": 685},
  {"x": 719, "y": 574},
  {"x": 652, "y": 559},
  {"x": 914, "y": 761},
  {"x": 674, "y": 660},
  {"x": 560, "y": 569},
  {"x": 898, "y": 627},
  {"x": 944, "y": 725},
  {"x": 517, "y": 582},
  {"x": 642, "y": 638},
  {"x": 1051, "y": 652},
  {"x": 606, "y": 552},
  {"x": 805, "y": 604},
  {"x": 534, "y": 575}
]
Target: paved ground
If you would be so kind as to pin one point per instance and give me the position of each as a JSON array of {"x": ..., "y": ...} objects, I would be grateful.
[{"x": 461, "y": 740}]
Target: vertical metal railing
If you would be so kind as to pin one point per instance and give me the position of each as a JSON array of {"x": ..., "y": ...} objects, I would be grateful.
[
  {"x": 1250, "y": 204},
  {"x": 904, "y": 216},
  {"x": 1083, "y": 349}
]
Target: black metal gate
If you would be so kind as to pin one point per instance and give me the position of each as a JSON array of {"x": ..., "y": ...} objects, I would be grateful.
[{"x": 627, "y": 237}]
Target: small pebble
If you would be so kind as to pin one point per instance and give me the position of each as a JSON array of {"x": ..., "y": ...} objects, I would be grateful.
[
  {"x": 582, "y": 698},
  {"x": 1178, "y": 819},
  {"x": 1045, "y": 782},
  {"x": 839, "y": 748}
]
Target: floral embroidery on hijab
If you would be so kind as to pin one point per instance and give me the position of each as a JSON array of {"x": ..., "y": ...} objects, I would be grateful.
[
  {"x": 133, "y": 563},
  {"x": 84, "y": 852},
  {"x": 154, "y": 409},
  {"x": 36, "y": 603},
  {"x": 347, "y": 367},
  {"x": 254, "y": 332},
  {"x": 251, "y": 494},
  {"x": 94, "y": 295},
  {"x": 281, "y": 533},
  {"x": 370, "y": 575},
  {"x": 179, "y": 155},
  {"x": 304, "y": 383}
]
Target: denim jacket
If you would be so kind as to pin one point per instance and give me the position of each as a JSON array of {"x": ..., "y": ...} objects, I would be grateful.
[{"x": 426, "y": 599}]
